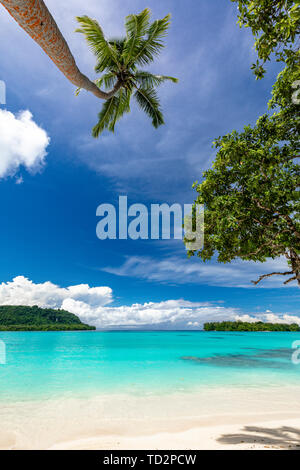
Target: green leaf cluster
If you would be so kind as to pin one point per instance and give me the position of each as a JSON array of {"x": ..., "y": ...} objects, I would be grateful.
[
  {"x": 251, "y": 195},
  {"x": 275, "y": 25}
]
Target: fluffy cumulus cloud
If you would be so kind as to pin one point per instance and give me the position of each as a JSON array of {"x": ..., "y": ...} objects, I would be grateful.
[
  {"x": 170, "y": 314},
  {"x": 93, "y": 306},
  {"x": 270, "y": 317},
  {"x": 22, "y": 143},
  {"x": 22, "y": 291}
]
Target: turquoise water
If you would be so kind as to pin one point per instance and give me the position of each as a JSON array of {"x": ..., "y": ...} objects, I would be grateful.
[{"x": 50, "y": 364}]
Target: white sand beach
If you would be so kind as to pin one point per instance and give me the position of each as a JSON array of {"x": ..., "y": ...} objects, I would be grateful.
[
  {"x": 255, "y": 435},
  {"x": 215, "y": 418}
]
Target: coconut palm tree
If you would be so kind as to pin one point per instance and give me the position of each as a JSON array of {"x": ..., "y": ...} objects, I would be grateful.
[
  {"x": 34, "y": 17},
  {"x": 118, "y": 60}
]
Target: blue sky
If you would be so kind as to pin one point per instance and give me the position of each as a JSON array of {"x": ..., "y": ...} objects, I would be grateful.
[{"x": 48, "y": 212}]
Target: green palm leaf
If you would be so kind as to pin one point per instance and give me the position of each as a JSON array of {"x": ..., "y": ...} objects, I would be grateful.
[
  {"x": 152, "y": 45},
  {"x": 122, "y": 107},
  {"x": 108, "y": 80},
  {"x": 149, "y": 103},
  {"x": 136, "y": 27},
  {"x": 118, "y": 60},
  {"x": 112, "y": 110},
  {"x": 148, "y": 80},
  {"x": 105, "y": 52},
  {"x": 118, "y": 43},
  {"x": 105, "y": 116}
]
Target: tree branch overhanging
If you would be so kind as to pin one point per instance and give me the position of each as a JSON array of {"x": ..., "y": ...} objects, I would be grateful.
[
  {"x": 276, "y": 213},
  {"x": 274, "y": 274}
]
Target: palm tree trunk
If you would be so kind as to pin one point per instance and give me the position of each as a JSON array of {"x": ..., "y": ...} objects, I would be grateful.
[{"x": 34, "y": 17}]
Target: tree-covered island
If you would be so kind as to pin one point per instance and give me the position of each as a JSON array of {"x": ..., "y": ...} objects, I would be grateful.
[
  {"x": 250, "y": 326},
  {"x": 23, "y": 318}
]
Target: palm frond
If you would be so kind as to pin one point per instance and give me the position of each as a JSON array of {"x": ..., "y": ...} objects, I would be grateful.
[
  {"x": 136, "y": 27},
  {"x": 108, "y": 80},
  {"x": 137, "y": 23},
  {"x": 105, "y": 116},
  {"x": 149, "y": 103},
  {"x": 151, "y": 46},
  {"x": 105, "y": 52},
  {"x": 118, "y": 43},
  {"x": 102, "y": 67},
  {"x": 122, "y": 107},
  {"x": 148, "y": 80},
  {"x": 112, "y": 110}
]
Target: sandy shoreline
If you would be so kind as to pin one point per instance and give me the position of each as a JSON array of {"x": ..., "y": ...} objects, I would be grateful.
[
  {"x": 218, "y": 418},
  {"x": 258, "y": 435}
]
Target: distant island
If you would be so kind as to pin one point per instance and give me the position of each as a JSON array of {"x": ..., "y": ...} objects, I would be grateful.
[
  {"x": 247, "y": 326},
  {"x": 23, "y": 318}
]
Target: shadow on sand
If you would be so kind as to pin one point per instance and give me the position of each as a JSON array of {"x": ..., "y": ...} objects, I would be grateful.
[{"x": 284, "y": 437}]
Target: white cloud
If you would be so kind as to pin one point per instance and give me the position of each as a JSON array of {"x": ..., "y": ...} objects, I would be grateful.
[
  {"x": 22, "y": 142},
  {"x": 92, "y": 305},
  {"x": 22, "y": 291},
  {"x": 269, "y": 318},
  {"x": 180, "y": 270},
  {"x": 19, "y": 180},
  {"x": 168, "y": 314}
]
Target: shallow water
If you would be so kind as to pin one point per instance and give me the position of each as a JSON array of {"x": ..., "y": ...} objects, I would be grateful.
[{"x": 43, "y": 365}]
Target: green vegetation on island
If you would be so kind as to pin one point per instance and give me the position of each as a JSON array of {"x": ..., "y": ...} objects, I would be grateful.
[
  {"x": 23, "y": 318},
  {"x": 247, "y": 326}
]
